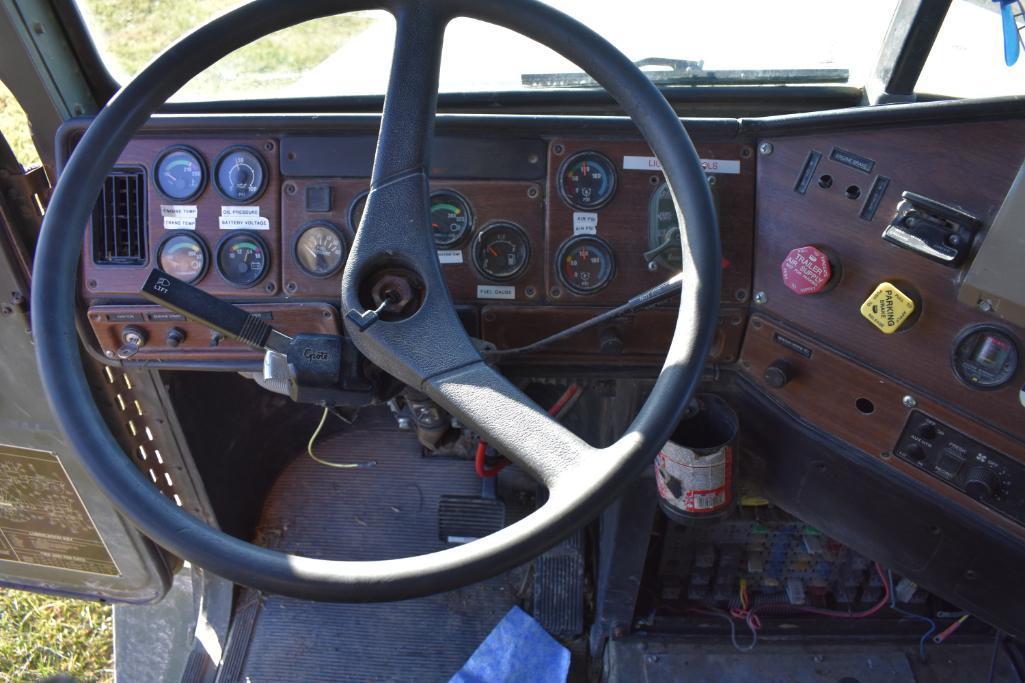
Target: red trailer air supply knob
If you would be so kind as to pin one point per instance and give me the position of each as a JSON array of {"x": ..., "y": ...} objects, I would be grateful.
[{"x": 807, "y": 270}]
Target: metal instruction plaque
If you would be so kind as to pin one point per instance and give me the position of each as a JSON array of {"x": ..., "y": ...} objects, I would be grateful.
[{"x": 42, "y": 519}]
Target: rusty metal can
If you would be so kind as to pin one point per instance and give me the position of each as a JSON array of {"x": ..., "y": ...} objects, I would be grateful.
[{"x": 696, "y": 470}]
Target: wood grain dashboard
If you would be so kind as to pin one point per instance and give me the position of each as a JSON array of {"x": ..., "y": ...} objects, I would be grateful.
[{"x": 305, "y": 187}]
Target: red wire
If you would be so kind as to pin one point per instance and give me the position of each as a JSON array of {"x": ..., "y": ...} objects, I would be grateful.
[
  {"x": 479, "y": 460},
  {"x": 752, "y": 620}
]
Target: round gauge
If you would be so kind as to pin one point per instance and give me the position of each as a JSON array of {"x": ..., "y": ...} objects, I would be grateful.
[
  {"x": 242, "y": 259},
  {"x": 501, "y": 251},
  {"x": 985, "y": 357},
  {"x": 183, "y": 256},
  {"x": 359, "y": 204},
  {"x": 664, "y": 228},
  {"x": 451, "y": 219},
  {"x": 585, "y": 264},
  {"x": 587, "y": 181},
  {"x": 320, "y": 249},
  {"x": 180, "y": 173},
  {"x": 240, "y": 174}
]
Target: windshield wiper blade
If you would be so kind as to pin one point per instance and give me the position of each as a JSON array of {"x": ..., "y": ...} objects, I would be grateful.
[{"x": 687, "y": 72}]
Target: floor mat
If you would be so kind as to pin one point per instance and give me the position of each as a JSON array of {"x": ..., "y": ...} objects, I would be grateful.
[{"x": 385, "y": 511}]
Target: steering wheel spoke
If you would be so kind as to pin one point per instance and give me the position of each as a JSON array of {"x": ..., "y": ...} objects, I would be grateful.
[{"x": 507, "y": 419}]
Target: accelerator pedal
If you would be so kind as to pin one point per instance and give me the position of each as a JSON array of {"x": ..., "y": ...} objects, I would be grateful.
[{"x": 559, "y": 588}]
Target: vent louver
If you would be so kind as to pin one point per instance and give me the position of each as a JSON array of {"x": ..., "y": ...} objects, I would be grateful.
[{"x": 119, "y": 219}]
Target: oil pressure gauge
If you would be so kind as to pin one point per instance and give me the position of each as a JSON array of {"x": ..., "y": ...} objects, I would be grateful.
[
  {"x": 240, "y": 174},
  {"x": 585, "y": 264},
  {"x": 320, "y": 249}
]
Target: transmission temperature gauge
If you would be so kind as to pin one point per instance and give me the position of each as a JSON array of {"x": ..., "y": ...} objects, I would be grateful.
[{"x": 501, "y": 251}]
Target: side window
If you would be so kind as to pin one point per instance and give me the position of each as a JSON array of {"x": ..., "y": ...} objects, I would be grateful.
[
  {"x": 967, "y": 59},
  {"x": 14, "y": 126}
]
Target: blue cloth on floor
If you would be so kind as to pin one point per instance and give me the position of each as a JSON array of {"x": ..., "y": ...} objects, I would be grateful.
[{"x": 517, "y": 649}]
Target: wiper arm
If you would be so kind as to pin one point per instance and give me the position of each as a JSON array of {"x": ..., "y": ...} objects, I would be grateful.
[{"x": 687, "y": 72}]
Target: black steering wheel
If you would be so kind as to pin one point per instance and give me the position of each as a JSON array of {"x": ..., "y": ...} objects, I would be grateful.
[{"x": 395, "y": 232}]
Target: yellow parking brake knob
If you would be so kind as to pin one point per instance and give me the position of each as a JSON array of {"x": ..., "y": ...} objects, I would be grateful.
[{"x": 887, "y": 308}]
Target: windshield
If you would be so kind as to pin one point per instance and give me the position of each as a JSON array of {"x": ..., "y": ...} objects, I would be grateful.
[{"x": 350, "y": 54}]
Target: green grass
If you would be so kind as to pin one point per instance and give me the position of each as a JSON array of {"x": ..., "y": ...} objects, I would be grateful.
[{"x": 41, "y": 635}]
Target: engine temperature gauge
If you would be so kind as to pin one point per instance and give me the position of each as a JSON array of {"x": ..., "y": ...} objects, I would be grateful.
[
  {"x": 501, "y": 251},
  {"x": 180, "y": 174},
  {"x": 587, "y": 181},
  {"x": 242, "y": 259},
  {"x": 585, "y": 264}
]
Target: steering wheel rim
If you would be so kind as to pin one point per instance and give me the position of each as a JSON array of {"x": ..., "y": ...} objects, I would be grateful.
[{"x": 582, "y": 480}]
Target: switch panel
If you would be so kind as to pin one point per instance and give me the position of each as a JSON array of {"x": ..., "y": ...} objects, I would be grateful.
[{"x": 992, "y": 478}]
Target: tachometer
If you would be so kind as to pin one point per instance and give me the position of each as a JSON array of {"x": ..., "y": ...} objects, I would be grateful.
[
  {"x": 242, "y": 259},
  {"x": 240, "y": 174},
  {"x": 587, "y": 181},
  {"x": 183, "y": 256},
  {"x": 585, "y": 264},
  {"x": 320, "y": 249},
  {"x": 359, "y": 205},
  {"x": 180, "y": 173},
  {"x": 501, "y": 251},
  {"x": 451, "y": 219}
]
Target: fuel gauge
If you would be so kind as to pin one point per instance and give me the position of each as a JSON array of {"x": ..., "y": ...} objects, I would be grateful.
[{"x": 501, "y": 251}]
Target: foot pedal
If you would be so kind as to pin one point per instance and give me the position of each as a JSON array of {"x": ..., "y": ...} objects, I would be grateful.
[
  {"x": 559, "y": 588},
  {"x": 462, "y": 519}
]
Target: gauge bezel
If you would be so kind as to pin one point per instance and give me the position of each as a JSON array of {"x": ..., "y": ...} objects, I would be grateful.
[
  {"x": 494, "y": 225},
  {"x": 562, "y": 190},
  {"x": 985, "y": 327},
  {"x": 306, "y": 227},
  {"x": 469, "y": 218},
  {"x": 164, "y": 153},
  {"x": 217, "y": 257},
  {"x": 573, "y": 241},
  {"x": 198, "y": 240},
  {"x": 215, "y": 173},
  {"x": 354, "y": 225}
]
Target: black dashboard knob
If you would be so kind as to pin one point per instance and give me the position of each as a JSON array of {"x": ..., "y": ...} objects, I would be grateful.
[
  {"x": 914, "y": 452},
  {"x": 778, "y": 374},
  {"x": 980, "y": 482}
]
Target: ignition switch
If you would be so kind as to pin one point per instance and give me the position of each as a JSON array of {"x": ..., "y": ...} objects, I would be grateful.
[{"x": 133, "y": 338}]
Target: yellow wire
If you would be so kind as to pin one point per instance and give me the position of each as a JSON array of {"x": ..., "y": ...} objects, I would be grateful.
[{"x": 337, "y": 465}]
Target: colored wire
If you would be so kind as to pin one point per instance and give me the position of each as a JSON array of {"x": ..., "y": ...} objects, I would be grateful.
[
  {"x": 918, "y": 617},
  {"x": 751, "y": 616},
  {"x": 733, "y": 629},
  {"x": 558, "y": 409},
  {"x": 336, "y": 465},
  {"x": 949, "y": 631}
]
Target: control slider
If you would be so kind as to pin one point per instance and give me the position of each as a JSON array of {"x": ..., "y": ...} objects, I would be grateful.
[{"x": 218, "y": 315}]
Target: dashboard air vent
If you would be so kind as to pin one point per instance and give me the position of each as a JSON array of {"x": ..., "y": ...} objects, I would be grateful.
[{"x": 119, "y": 219}]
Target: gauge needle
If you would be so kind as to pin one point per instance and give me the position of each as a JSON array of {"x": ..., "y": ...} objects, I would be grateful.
[
  {"x": 491, "y": 250},
  {"x": 311, "y": 250}
]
